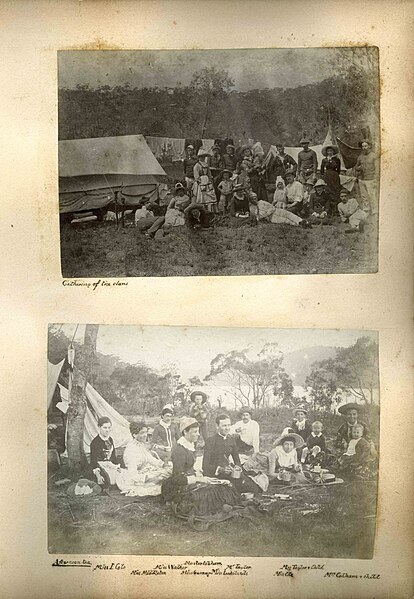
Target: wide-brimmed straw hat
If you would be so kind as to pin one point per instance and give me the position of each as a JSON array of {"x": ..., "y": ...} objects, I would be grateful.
[
  {"x": 349, "y": 406},
  {"x": 300, "y": 409},
  {"x": 203, "y": 152},
  {"x": 82, "y": 482},
  {"x": 326, "y": 148},
  {"x": 195, "y": 393},
  {"x": 179, "y": 186},
  {"x": 186, "y": 422},
  {"x": 285, "y": 436}
]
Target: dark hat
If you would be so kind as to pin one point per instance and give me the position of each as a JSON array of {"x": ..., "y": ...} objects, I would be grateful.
[
  {"x": 290, "y": 171},
  {"x": 195, "y": 393},
  {"x": 304, "y": 140},
  {"x": 349, "y": 406},
  {"x": 297, "y": 439},
  {"x": 334, "y": 148},
  {"x": 230, "y": 146},
  {"x": 215, "y": 147}
]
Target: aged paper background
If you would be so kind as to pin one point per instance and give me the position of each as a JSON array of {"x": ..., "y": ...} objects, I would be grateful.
[{"x": 33, "y": 295}]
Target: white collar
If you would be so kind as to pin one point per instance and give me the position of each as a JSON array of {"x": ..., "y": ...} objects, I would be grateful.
[
  {"x": 186, "y": 444},
  {"x": 316, "y": 435},
  {"x": 222, "y": 436}
]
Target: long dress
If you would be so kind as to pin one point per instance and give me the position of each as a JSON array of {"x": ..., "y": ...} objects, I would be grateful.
[
  {"x": 144, "y": 471},
  {"x": 330, "y": 170},
  {"x": 203, "y": 189}
]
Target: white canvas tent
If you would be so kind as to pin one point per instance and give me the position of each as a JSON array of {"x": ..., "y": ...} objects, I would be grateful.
[
  {"x": 96, "y": 407},
  {"x": 92, "y": 170}
]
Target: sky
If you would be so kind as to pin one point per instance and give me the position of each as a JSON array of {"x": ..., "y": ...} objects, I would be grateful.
[
  {"x": 250, "y": 69},
  {"x": 191, "y": 349}
]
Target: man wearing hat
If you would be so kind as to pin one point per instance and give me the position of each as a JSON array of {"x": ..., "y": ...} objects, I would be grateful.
[
  {"x": 246, "y": 432},
  {"x": 320, "y": 205},
  {"x": 215, "y": 160},
  {"x": 229, "y": 159},
  {"x": 199, "y": 411},
  {"x": 165, "y": 434},
  {"x": 307, "y": 162},
  {"x": 188, "y": 165},
  {"x": 366, "y": 170},
  {"x": 352, "y": 412},
  {"x": 351, "y": 212},
  {"x": 281, "y": 163}
]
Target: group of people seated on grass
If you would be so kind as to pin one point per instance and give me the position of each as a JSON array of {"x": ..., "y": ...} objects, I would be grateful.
[
  {"x": 242, "y": 186},
  {"x": 221, "y": 468}
]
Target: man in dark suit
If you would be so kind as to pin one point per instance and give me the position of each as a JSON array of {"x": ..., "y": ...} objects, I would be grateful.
[
  {"x": 218, "y": 450},
  {"x": 216, "y": 460}
]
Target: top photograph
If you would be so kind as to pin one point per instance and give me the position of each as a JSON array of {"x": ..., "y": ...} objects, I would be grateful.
[{"x": 218, "y": 162}]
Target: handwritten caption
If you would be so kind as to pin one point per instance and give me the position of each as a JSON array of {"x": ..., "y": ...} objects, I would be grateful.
[
  {"x": 208, "y": 568},
  {"x": 93, "y": 284}
]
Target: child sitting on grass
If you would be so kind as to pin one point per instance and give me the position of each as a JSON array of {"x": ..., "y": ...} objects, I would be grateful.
[{"x": 357, "y": 459}]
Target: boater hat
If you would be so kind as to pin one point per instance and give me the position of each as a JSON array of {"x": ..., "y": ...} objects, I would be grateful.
[
  {"x": 179, "y": 186},
  {"x": 203, "y": 395},
  {"x": 326, "y": 148},
  {"x": 186, "y": 422},
  {"x": 349, "y": 406},
  {"x": 300, "y": 409},
  {"x": 297, "y": 439},
  {"x": 83, "y": 482}
]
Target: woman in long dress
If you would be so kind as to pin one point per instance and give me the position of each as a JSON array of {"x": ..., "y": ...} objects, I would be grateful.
[
  {"x": 144, "y": 471},
  {"x": 203, "y": 189}
]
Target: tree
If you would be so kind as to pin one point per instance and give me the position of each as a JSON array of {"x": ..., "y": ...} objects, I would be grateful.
[
  {"x": 211, "y": 86},
  {"x": 354, "y": 369},
  {"x": 84, "y": 359},
  {"x": 250, "y": 377}
]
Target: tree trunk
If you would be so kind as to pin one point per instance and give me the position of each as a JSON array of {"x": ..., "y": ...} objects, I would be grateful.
[{"x": 84, "y": 359}]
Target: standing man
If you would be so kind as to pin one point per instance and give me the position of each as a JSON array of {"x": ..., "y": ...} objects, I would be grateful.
[
  {"x": 189, "y": 162},
  {"x": 199, "y": 411},
  {"x": 307, "y": 162},
  {"x": 286, "y": 160},
  {"x": 229, "y": 160},
  {"x": 246, "y": 432},
  {"x": 366, "y": 170}
]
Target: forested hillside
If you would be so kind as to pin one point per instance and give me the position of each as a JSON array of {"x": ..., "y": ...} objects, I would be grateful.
[{"x": 210, "y": 108}]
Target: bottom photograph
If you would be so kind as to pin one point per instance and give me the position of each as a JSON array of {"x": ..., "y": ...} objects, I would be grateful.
[{"x": 212, "y": 441}]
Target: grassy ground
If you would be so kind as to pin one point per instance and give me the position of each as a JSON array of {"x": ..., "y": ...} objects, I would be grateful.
[
  {"x": 99, "y": 250},
  {"x": 322, "y": 521},
  {"x": 336, "y": 521}
]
